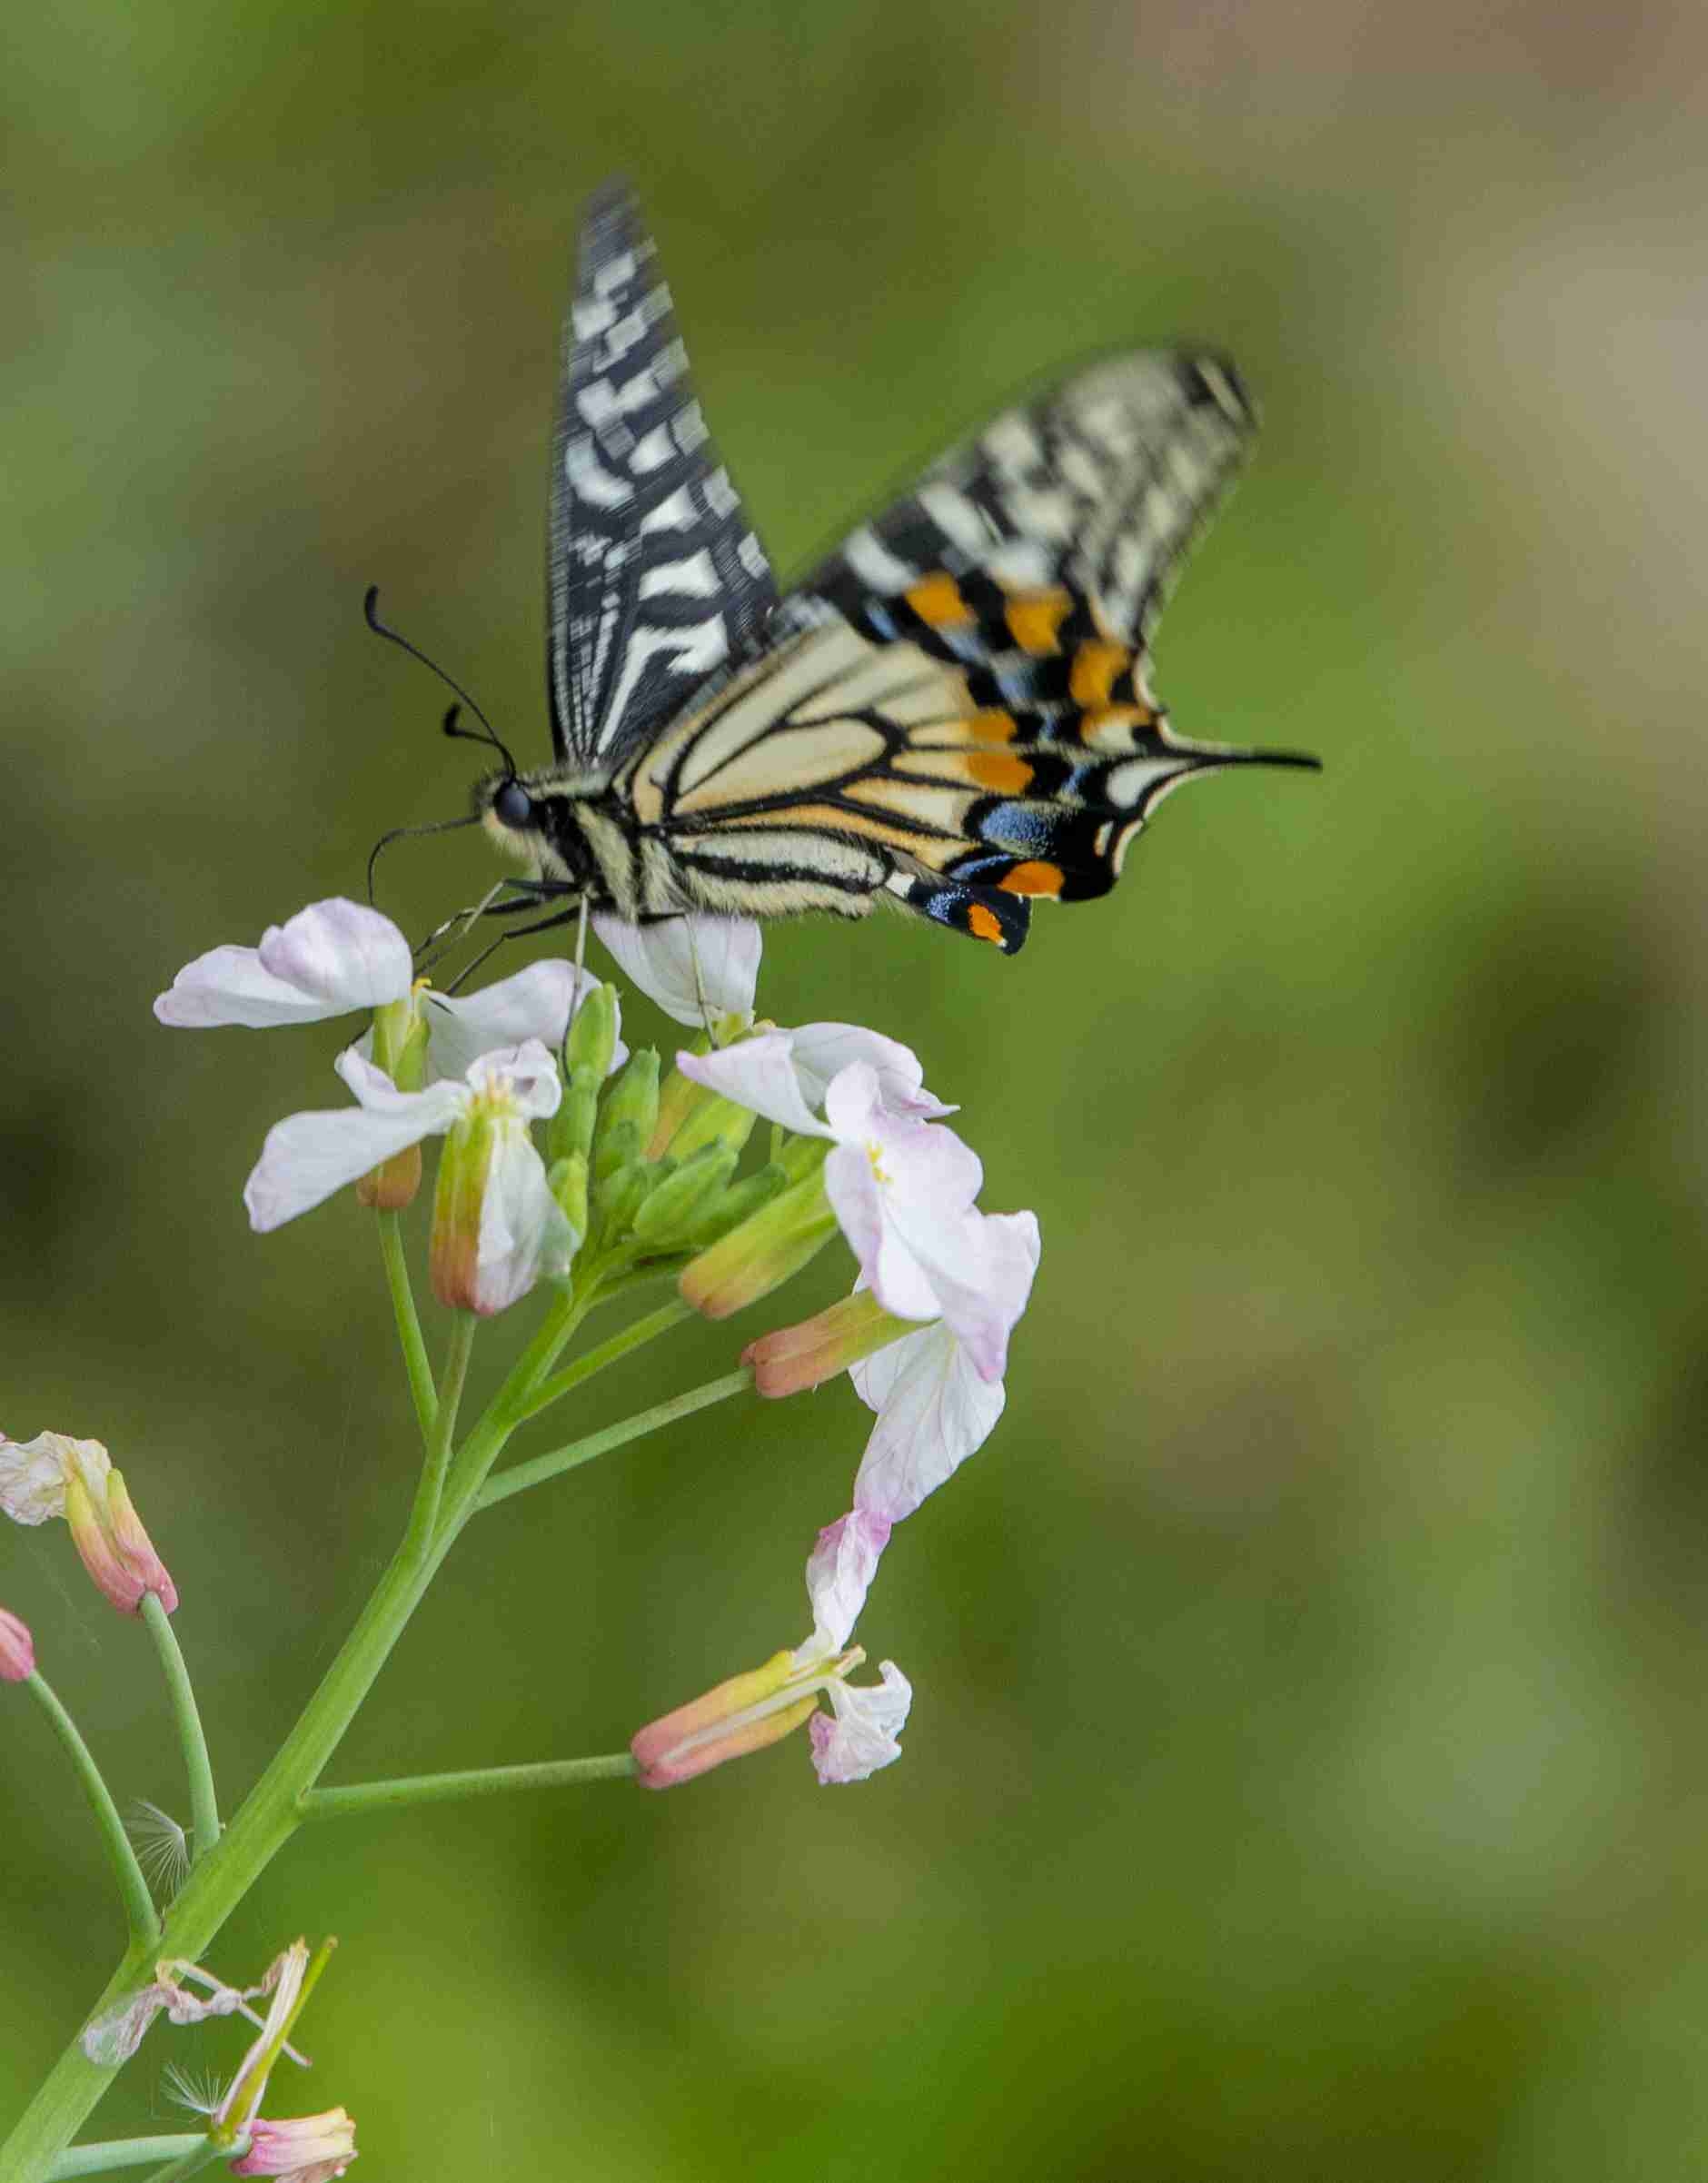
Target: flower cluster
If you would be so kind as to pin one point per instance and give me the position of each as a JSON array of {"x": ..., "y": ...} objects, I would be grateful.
[{"x": 641, "y": 1174}]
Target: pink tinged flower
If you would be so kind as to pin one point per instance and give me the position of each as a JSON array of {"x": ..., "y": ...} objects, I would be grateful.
[
  {"x": 307, "y": 2148},
  {"x": 750, "y": 1711},
  {"x": 55, "y": 1475},
  {"x": 17, "y": 1649},
  {"x": 328, "y": 959},
  {"x": 662, "y": 960},
  {"x": 786, "y": 1076}
]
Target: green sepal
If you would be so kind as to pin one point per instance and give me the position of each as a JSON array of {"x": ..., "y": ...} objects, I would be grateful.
[
  {"x": 567, "y": 1179},
  {"x": 591, "y": 1039},
  {"x": 627, "y": 1112},
  {"x": 571, "y": 1129},
  {"x": 739, "y": 1204},
  {"x": 802, "y": 1157},
  {"x": 619, "y": 1196},
  {"x": 672, "y": 1212}
]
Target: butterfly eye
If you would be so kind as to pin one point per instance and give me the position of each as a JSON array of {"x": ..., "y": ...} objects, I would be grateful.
[{"x": 513, "y": 805}]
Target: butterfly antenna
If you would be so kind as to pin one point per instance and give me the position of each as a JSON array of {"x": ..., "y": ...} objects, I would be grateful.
[{"x": 370, "y": 613}]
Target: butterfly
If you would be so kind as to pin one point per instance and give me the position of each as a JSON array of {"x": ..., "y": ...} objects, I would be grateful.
[{"x": 952, "y": 713}]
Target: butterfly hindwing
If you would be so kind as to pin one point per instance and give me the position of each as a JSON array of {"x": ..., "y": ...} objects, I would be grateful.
[{"x": 654, "y": 574}]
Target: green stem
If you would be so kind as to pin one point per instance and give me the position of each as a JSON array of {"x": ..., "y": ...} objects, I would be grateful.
[
  {"x": 522, "y": 1475},
  {"x": 409, "y": 1334},
  {"x": 177, "y": 2171},
  {"x": 268, "y": 1816},
  {"x": 204, "y": 1810},
  {"x": 450, "y": 1788},
  {"x": 100, "y": 2159},
  {"x": 424, "y": 1515},
  {"x": 139, "y": 1904},
  {"x": 596, "y": 1360}
]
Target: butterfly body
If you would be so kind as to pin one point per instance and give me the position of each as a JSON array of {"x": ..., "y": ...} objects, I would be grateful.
[{"x": 951, "y": 714}]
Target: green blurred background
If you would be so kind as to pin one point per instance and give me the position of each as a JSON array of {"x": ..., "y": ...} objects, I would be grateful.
[{"x": 1307, "y": 1774}]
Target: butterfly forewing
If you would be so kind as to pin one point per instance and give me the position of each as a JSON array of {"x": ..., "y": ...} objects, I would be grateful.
[{"x": 655, "y": 576}]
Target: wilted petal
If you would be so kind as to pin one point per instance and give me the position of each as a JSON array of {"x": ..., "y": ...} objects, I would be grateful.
[
  {"x": 329, "y": 959},
  {"x": 660, "y": 958},
  {"x": 301, "y": 2147},
  {"x": 933, "y": 1410},
  {"x": 840, "y": 1571},
  {"x": 859, "y": 1733},
  {"x": 537, "y": 1003},
  {"x": 34, "y": 1473}
]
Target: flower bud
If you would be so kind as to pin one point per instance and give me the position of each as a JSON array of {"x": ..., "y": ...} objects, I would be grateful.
[
  {"x": 627, "y": 1113},
  {"x": 303, "y": 2146},
  {"x": 17, "y": 1649},
  {"x": 794, "y": 1358},
  {"x": 738, "y": 1203},
  {"x": 567, "y": 1179},
  {"x": 762, "y": 1254},
  {"x": 743, "y": 1714},
  {"x": 109, "y": 1537},
  {"x": 571, "y": 1129},
  {"x": 591, "y": 1039},
  {"x": 672, "y": 1210},
  {"x": 617, "y": 1198}
]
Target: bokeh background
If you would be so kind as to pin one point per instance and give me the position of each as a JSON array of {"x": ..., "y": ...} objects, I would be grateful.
[{"x": 1308, "y": 1774}]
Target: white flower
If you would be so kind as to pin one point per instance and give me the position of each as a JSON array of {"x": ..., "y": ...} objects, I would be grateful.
[
  {"x": 520, "y": 1231},
  {"x": 662, "y": 957},
  {"x": 338, "y": 956},
  {"x": 859, "y": 1734}
]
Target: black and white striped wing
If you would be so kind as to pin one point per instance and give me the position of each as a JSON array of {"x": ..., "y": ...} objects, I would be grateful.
[
  {"x": 655, "y": 577},
  {"x": 1099, "y": 485}
]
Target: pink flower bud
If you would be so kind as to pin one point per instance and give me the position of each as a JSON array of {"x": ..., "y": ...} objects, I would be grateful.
[
  {"x": 794, "y": 1358},
  {"x": 743, "y": 1714},
  {"x": 115, "y": 1549},
  {"x": 17, "y": 1649},
  {"x": 308, "y": 2149}
]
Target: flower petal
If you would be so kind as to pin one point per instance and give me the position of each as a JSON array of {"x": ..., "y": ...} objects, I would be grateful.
[
  {"x": 759, "y": 1073},
  {"x": 525, "y": 1232},
  {"x": 659, "y": 958},
  {"x": 981, "y": 1269},
  {"x": 933, "y": 1410},
  {"x": 309, "y": 1157},
  {"x": 823, "y": 1050},
  {"x": 329, "y": 959},
  {"x": 840, "y": 1571},
  {"x": 859, "y": 1734},
  {"x": 537, "y": 1003}
]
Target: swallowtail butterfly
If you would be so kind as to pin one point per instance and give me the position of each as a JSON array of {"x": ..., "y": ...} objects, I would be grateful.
[{"x": 952, "y": 713}]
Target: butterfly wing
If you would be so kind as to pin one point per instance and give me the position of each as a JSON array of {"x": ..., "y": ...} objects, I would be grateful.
[
  {"x": 654, "y": 574},
  {"x": 959, "y": 711}
]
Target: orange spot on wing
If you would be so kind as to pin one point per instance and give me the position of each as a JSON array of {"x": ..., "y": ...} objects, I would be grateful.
[
  {"x": 1033, "y": 878},
  {"x": 1110, "y": 727},
  {"x": 1035, "y": 618},
  {"x": 937, "y": 601},
  {"x": 1092, "y": 676},
  {"x": 999, "y": 769},
  {"x": 983, "y": 923}
]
